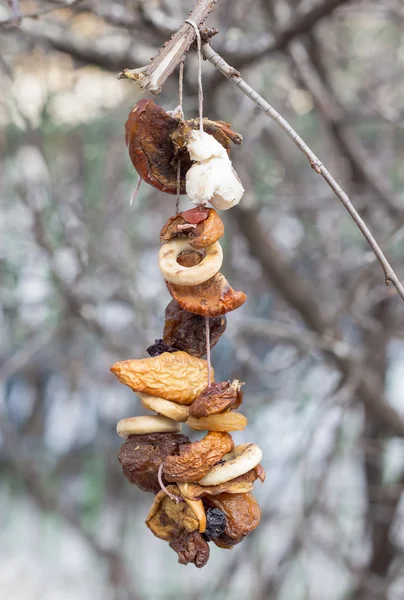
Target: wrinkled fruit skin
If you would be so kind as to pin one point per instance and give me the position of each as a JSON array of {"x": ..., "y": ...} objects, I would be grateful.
[
  {"x": 205, "y": 233},
  {"x": 218, "y": 397},
  {"x": 196, "y": 459},
  {"x": 159, "y": 347},
  {"x": 215, "y": 523},
  {"x": 141, "y": 456},
  {"x": 213, "y": 298},
  {"x": 186, "y": 331},
  {"x": 154, "y": 140},
  {"x": 242, "y": 513},
  {"x": 168, "y": 519},
  {"x": 191, "y": 548}
]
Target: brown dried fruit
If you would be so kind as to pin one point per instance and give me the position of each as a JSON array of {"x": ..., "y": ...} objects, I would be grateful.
[
  {"x": 239, "y": 485},
  {"x": 217, "y": 398},
  {"x": 141, "y": 456},
  {"x": 195, "y": 215},
  {"x": 176, "y": 376},
  {"x": 186, "y": 331},
  {"x": 191, "y": 548},
  {"x": 154, "y": 139},
  {"x": 167, "y": 519},
  {"x": 197, "y": 458},
  {"x": 212, "y": 298},
  {"x": 201, "y": 235},
  {"x": 243, "y": 515},
  {"x": 226, "y": 421}
]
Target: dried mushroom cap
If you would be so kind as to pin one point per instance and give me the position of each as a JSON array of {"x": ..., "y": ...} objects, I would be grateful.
[
  {"x": 197, "y": 458},
  {"x": 243, "y": 515},
  {"x": 216, "y": 398},
  {"x": 226, "y": 421},
  {"x": 199, "y": 235},
  {"x": 239, "y": 485},
  {"x": 176, "y": 376},
  {"x": 167, "y": 519},
  {"x": 141, "y": 456},
  {"x": 155, "y": 138},
  {"x": 212, "y": 298},
  {"x": 191, "y": 548}
]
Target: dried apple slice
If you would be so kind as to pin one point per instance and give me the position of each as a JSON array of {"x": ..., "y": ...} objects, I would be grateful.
[
  {"x": 212, "y": 298},
  {"x": 226, "y": 421}
]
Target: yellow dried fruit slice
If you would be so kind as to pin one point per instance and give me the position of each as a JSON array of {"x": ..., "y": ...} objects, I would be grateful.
[{"x": 227, "y": 421}]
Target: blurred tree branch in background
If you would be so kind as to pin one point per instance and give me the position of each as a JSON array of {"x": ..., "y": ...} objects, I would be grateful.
[{"x": 319, "y": 342}]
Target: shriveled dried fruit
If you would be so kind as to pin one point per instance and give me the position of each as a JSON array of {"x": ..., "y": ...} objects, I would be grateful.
[
  {"x": 244, "y": 458},
  {"x": 201, "y": 235},
  {"x": 146, "y": 424},
  {"x": 203, "y": 271},
  {"x": 212, "y": 298},
  {"x": 197, "y": 459},
  {"x": 197, "y": 507},
  {"x": 186, "y": 331},
  {"x": 226, "y": 421},
  {"x": 167, "y": 519},
  {"x": 189, "y": 258},
  {"x": 215, "y": 523},
  {"x": 191, "y": 548},
  {"x": 141, "y": 456},
  {"x": 176, "y": 376},
  {"x": 159, "y": 347},
  {"x": 171, "y": 410},
  {"x": 238, "y": 485},
  {"x": 242, "y": 515},
  {"x": 218, "y": 397},
  {"x": 155, "y": 139}
]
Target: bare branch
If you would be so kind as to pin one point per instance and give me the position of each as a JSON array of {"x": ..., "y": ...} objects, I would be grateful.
[
  {"x": 232, "y": 75},
  {"x": 153, "y": 76}
]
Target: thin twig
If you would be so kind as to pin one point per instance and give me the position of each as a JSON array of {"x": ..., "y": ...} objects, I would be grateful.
[
  {"x": 233, "y": 75},
  {"x": 135, "y": 192}
]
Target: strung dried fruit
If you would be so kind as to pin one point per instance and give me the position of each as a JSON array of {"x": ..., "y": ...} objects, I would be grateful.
[
  {"x": 239, "y": 485},
  {"x": 141, "y": 456},
  {"x": 175, "y": 273},
  {"x": 226, "y": 421},
  {"x": 213, "y": 298},
  {"x": 215, "y": 523},
  {"x": 197, "y": 459},
  {"x": 159, "y": 347},
  {"x": 197, "y": 507},
  {"x": 186, "y": 331},
  {"x": 244, "y": 458},
  {"x": 242, "y": 516},
  {"x": 143, "y": 425},
  {"x": 171, "y": 410},
  {"x": 200, "y": 235},
  {"x": 191, "y": 548},
  {"x": 155, "y": 140},
  {"x": 167, "y": 518},
  {"x": 176, "y": 376},
  {"x": 217, "y": 398}
]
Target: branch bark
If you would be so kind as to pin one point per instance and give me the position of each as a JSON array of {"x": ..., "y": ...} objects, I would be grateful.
[{"x": 232, "y": 75}]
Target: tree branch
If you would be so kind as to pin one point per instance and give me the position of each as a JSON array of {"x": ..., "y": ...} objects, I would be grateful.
[
  {"x": 232, "y": 75},
  {"x": 153, "y": 76}
]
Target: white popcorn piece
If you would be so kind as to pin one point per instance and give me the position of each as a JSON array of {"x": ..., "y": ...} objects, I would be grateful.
[{"x": 212, "y": 177}]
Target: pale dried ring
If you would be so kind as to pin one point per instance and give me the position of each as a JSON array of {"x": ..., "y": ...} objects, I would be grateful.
[
  {"x": 167, "y": 408},
  {"x": 243, "y": 458},
  {"x": 141, "y": 425},
  {"x": 175, "y": 273}
]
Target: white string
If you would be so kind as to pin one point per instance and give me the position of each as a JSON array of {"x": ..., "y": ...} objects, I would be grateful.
[
  {"x": 200, "y": 90},
  {"x": 136, "y": 190}
]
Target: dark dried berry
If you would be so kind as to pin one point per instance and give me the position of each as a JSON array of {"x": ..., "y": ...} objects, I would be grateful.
[
  {"x": 215, "y": 523},
  {"x": 159, "y": 347}
]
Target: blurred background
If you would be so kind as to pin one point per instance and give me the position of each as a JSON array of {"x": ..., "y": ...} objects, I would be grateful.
[{"x": 319, "y": 343}]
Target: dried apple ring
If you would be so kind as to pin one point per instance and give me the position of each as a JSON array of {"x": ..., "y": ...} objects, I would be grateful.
[
  {"x": 142, "y": 425},
  {"x": 226, "y": 421},
  {"x": 175, "y": 273},
  {"x": 213, "y": 298},
  {"x": 167, "y": 408},
  {"x": 244, "y": 458}
]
